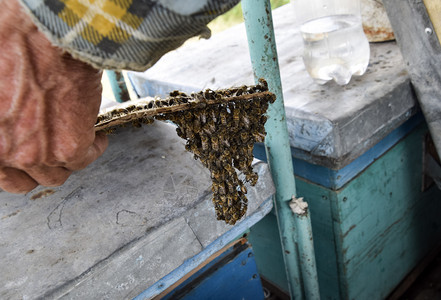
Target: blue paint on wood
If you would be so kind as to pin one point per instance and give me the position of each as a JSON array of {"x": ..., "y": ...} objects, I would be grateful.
[
  {"x": 190, "y": 264},
  {"x": 383, "y": 223},
  {"x": 232, "y": 275},
  {"x": 335, "y": 179},
  {"x": 369, "y": 234},
  {"x": 147, "y": 87}
]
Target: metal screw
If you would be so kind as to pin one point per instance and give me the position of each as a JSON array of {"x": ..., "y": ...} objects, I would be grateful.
[{"x": 428, "y": 31}]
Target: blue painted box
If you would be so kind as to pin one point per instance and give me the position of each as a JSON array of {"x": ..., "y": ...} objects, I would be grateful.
[
  {"x": 231, "y": 275},
  {"x": 370, "y": 233}
]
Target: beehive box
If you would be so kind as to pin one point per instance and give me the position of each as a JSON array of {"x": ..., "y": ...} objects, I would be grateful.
[{"x": 357, "y": 155}]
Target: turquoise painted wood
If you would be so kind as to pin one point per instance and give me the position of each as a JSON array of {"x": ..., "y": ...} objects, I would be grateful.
[
  {"x": 370, "y": 233},
  {"x": 118, "y": 85},
  {"x": 336, "y": 179},
  {"x": 295, "y": 229}
]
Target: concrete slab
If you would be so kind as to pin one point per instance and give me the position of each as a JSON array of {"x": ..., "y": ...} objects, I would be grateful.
[
  {"x": 112, "y": 230},
  {"x": 329, "y": 125}
]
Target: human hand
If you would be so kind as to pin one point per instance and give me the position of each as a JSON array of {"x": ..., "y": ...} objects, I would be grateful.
[{"x": 49, "y": 103}]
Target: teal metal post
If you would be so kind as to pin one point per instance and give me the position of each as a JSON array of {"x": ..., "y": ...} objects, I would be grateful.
[
  {"x": 118, "y": 85},
  {"x": 295, "y": 229}
]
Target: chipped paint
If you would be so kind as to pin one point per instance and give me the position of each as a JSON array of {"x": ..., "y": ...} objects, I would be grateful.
[{"x": 298, "y": 206}]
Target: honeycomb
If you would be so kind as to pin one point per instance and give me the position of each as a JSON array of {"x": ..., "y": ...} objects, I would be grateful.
[{"x": 220, "y": 128}]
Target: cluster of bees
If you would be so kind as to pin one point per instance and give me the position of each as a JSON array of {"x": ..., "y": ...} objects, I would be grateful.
[{"x": 220, "y": 128}]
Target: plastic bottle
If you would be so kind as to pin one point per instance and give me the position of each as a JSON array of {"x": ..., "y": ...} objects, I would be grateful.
[{"x": 335, "y": 46}]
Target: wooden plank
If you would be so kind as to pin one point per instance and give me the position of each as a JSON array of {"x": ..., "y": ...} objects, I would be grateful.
[
  {"x": 209, "y": 247},
  {"x": 336, "y": 179},
  {"x": 421, "y": 51},
  {"x": 413, "y": 276},
  {"x": 434, "y": 10},
  {"x": 266, "y": 242},
  {"x": 330, "y": 125},
  {"x": 202, "y": 265},
  {"x": 108, "y": 229},
  {"x": 384, "y": 224},
  {"x": 233, "y": 275},
  {"x": 381, "y": 225}
]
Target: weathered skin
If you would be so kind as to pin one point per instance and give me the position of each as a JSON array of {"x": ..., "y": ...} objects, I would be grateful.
[{"x": 48, "y": 107}]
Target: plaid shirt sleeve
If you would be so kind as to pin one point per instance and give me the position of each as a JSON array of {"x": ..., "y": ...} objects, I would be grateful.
[{"x": 124, "y": 34}]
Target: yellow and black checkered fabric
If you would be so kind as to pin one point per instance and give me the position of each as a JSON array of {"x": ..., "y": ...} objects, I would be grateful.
[{"x": 124, "y": 34}]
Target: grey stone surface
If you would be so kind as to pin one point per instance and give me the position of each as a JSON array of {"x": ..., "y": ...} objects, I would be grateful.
[
  {"x": 329, "y": 125},
  {"x": 118, "y": 226}
]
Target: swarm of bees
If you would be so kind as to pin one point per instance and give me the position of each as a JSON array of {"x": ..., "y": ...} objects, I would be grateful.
[{"x": 220, "y": 128}]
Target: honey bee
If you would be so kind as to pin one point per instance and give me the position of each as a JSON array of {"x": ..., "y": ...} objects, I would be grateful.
[
  {"x": 213, "y": 115},
  {"x": 250, "y": 148},
  {"x": 155, "y": 103},
  {"x": 241, "y": 90},
  {"x": 226, "y": 212},
  {"x": 259, "y": 137},
  {"x": 180, "y": 133},
  {"x": 245, "y": 121},
  {"x": 229, "y": 168},
  {"x": 243, "y": 189},
  {"x": 118, "y": 112},
  {"x": 196, "y": 125},
  {"x": 215, "y": 143},
  {"x": 216, "y": 175},
  {"x": 236, "y": 117},
  {"x": 218, "y": 96},
  {"x": 252, "y": 178},
  {"x": 136, "y": 123},
  {"x": 244, "y": 136},
  {"x": 222, "y": 190},
  {"x": 223, "y": 200},
  {"x": 175, "y": 93},
  {"x": 188, "y": 116},
  {"x": 203, "y": 117},
  {"x": 236, "y": 217},
  {"x": 230, "y": 201},
  {"x": 223, "y": 117},
  {"x": 209, "y": 127},
  {"x": 131, "y": 108},
  {"x": 209, "y": 94},
  {"x": 231, "y": 188},
  {"x": 243, "y": 165},
  {"x": 204, "y": 142},
  {"x": 212, "y": 156},
  {"x": 189, "y": 134},
  {"x": 100, "y": 119},
  {"x": 215, "y": 188}
]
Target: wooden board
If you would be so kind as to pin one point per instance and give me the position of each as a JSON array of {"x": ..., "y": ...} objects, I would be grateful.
[
  {"x": 369, "y": 234},
  {"x": 231, "y": 275},
  {"x": 141, "y": 214},
  {"x": 421, "y": 51},
  {"x": 329, "y": 125},
  {"x": 336, "y": 179},
  {"x": 198, "y": 268}
]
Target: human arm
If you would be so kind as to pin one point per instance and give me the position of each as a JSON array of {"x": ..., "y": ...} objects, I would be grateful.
[
  {"x": 49, "y": 99},
  {"x": 49, "y": 102}
]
